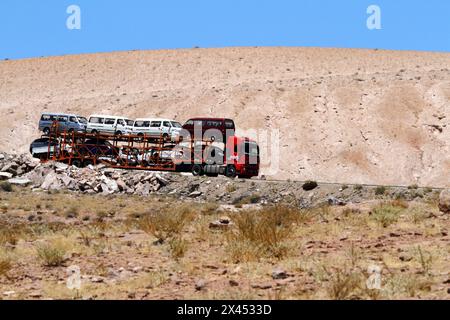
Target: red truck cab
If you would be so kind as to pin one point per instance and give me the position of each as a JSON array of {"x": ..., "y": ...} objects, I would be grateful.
[{"x": 238, "y": 157}]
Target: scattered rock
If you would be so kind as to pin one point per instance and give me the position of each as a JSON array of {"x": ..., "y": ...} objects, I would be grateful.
[
  {"x": 195, "y": 194},
  {"x": 233, "y": 283},
  {"x": 200, "y": 285},
  {"x": 23, "y": 182},
  {"x": 5, "y": 175},
  {"x": 262, "y": 286},
  {"x": 332, "y": 201},
  {"x": 279, "y": 274}
]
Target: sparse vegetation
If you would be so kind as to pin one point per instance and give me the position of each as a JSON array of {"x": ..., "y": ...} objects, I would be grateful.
[
  {"x": 164, "y": 224},
  {"x": 380, "y": 190},
  {"x": 264, "y": 233},
  {"x": 6, "y": 186},
  {"x": 51, "y": 254},
  {"x": 326, "y": 248},
  {"x": 386, "y": 214},
  {"x": 178, "y": 247},
  {"x": 310, "y": 185}
]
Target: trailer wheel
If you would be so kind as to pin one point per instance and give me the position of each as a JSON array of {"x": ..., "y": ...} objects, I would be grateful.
[
  {"x": 231, "y": 171},
  {"x": 197, "y": 170},
  {"x": 76, "y": 163},
  {"x": 87, "y": 163}
]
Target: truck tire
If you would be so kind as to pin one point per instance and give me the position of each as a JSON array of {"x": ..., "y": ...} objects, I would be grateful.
[
  {"x": 231, "y": 171},
  {"x": 46, "y": 131},
  {"x": 197, "y": 170}
]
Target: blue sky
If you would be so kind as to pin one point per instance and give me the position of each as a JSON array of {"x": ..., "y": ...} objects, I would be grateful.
[{"x": 31, "y": 28}]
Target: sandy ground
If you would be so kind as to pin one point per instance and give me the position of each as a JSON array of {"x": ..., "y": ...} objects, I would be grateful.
[{"x": 348, "y": 116}]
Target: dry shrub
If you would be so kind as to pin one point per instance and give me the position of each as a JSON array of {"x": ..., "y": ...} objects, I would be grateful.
[
  {"x": 8, "y": 236},
  {"x": 263, "y": 233},
  {"x": 5, "y": 265},
  {"x": 178, "y": 247},
  {"x": 166, "y": 223},
  {"x": 51, "y": 254},
  {"x": 386, "y": 214},
  {"x": 344, "y": 285},
  {"x": 399, "y": 203}
]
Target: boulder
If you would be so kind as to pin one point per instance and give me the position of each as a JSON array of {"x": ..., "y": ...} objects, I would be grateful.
[
  {"x": 279, "y": 274},
  {"x": 5, "y": 175},
  {"x": 111, "y": 185},
  {"x": 51, "y": 182},
  {"x": 23, "y": 182},
  {"x": 444, "y": 201}
]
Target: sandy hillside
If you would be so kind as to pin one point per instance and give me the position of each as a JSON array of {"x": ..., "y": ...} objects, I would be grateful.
[{"x": 348, "y": 116}]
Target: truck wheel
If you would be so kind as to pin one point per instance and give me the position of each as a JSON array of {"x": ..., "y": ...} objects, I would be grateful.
[
  {"x": 118, "y": 133},
  {"x": 197, "y": 170},
  {"x": 47, "y": 131},
  {"x": 231, "y": 171},
  {"x": 94, "y": 132}
]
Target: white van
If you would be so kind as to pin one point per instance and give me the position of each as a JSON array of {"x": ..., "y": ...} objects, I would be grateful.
[
  {"x": 156, "y": 127},
  {"x": 109, "y": 124}
]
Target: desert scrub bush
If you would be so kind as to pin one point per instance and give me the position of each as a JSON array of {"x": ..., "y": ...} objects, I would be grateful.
[
  {"x": 417, "y": 215},
  {"x": 71, "y": 212},
  {"x": 380, "y": 190},
  {"x": 386, "y": 214},
  {"x": 178, "y": 247},
  {"x": 344, "y": 284},
  {"x": 231, "y": 188},
  {"x": 51, "y": 254},
  {"x": 251, "y": 199},
  {"x": 397, "y": 285},
  {"x": 399, "y": 203},
  {"x": 310, "y": 185},
  {"x": 5, "y": 263},
  {"x": 8, "y": 237},
  {"x": 209, "y": 208},
  {"x": 166, "y": 223},
  {"x": 358, "y": 187},
  {"x": 425, "y": 259},
  {"x": 263, "y": 233},
  {"x": 6, "y": 186}
]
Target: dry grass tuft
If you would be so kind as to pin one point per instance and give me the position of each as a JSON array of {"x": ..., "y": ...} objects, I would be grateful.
[
  {"x": 51, "y": 254},
  {"x": 165, "y": 224},
  {"x": 263, "y": 233},
  {"x": 386, "y": 214}
]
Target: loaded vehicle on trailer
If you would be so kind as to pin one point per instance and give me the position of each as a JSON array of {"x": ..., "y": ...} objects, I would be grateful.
[
  {"x": 149, "y": 126},
  {"x": 210, "y": 128},
  {"x": 69, "y": 122},
  {"x": 110, "y": 125},
  {"x": 237, "y": 157}
]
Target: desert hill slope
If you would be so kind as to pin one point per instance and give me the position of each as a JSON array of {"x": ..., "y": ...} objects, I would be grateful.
[{"x": 347, "y": 116}]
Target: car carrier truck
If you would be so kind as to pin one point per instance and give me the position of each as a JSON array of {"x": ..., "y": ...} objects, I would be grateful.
[{"x": 236, "y": 157}]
